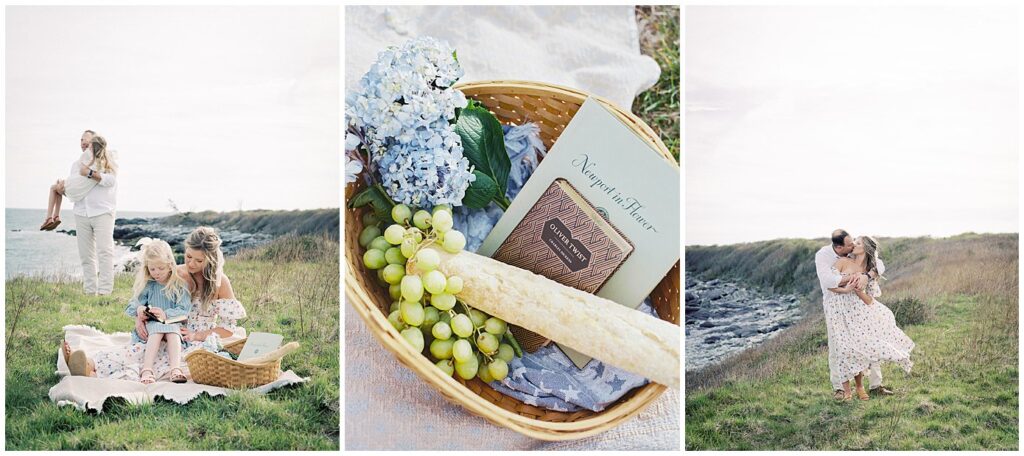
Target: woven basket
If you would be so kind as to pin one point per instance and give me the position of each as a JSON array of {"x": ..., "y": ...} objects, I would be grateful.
[
  {"x": 211, "y": 369},
  {"x": 513, "y": 102}
]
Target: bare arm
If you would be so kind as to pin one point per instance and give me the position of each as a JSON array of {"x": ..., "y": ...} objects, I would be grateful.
[
  {"x": 863, "y": 296},
  {"x": 225, "y": 291},
  {"x": 843, "y": 289}
]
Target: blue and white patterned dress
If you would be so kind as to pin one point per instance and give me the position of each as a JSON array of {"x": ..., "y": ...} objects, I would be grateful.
[{"x": 155, "y": 295}]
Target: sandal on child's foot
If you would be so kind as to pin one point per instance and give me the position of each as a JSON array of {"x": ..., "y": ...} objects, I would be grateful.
[
  {"x": 55, "y": 224},
  {"x": 147, "y": 379},
  {"x": 177, "y": 376},
  {"x": 46, "y": 223}
]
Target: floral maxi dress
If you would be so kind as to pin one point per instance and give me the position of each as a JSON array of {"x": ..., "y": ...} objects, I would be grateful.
[{"x": 861, "y": 335}]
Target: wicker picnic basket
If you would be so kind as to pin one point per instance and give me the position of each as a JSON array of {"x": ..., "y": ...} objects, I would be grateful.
[
  {"x": 211, "y": 369},
  {"x": 551, "y": 107}
]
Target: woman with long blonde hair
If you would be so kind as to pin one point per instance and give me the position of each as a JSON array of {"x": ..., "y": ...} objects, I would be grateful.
[{"x": 216, "y": 306}]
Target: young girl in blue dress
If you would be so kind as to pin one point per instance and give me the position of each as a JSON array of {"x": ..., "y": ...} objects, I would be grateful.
[{"x": 161, "y": 293}]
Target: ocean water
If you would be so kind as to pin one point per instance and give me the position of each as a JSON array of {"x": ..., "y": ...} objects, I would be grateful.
[{"x": 30, "y": 252}]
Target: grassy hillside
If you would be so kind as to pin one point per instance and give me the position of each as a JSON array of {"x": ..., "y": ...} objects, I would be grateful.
[
  {"x": 289, "y": 287},
  {"x": 276, "y": 223},
  {"x": 957, "y": 298}
]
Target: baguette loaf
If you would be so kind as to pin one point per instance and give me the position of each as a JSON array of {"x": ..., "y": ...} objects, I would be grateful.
[
  {"x": 595, "y": 326},
  {"x": 273, "y": 355}
]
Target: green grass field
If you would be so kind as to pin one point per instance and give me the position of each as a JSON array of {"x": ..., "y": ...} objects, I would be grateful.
[
  {"x": 659, "y": 105},
  {"x": 961, "y": 395},
  {"x": 289, "y": 287}
]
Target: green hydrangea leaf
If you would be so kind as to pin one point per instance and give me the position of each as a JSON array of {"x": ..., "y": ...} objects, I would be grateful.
[
  {"x": 483, "y": 144},
  {"x": 480, "y": 192}
]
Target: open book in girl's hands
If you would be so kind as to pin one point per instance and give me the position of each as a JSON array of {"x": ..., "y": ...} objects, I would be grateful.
[{"x": 166, "y": 320}]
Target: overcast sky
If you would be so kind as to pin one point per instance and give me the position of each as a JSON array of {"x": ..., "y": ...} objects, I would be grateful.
[
  {"x": 213, "y": 107},
  {"x": 884, "y": 121}
]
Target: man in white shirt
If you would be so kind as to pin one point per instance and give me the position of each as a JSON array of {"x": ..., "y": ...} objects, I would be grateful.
[
  {"x": 94, "y": 223},
  {"x": 828, "y": 277}
]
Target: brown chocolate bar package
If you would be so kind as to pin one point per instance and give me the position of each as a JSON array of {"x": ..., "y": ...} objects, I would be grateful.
[{"x": 564, "y": 238}]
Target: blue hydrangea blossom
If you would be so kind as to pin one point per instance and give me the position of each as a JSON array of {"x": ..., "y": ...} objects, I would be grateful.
[{"x": 403, "y": 109}]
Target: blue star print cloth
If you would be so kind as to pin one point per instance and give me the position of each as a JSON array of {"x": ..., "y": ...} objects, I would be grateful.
[{"x": 545, "y": 378}]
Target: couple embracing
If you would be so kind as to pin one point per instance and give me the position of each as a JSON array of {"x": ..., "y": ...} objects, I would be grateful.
[
  {"x": 177, "y": 309},
  {"x": 92, "y": 186},
  {"x": 862, "y": 332}
]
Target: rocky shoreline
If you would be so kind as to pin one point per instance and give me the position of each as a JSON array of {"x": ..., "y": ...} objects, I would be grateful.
[
  {"x": 128, "y": 231},
  {"x": 724, "y": 318}
]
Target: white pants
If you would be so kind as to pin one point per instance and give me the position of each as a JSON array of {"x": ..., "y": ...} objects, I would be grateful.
[
  {"x": 873, "y": 373},
  {"x": 96, "y": 245}
]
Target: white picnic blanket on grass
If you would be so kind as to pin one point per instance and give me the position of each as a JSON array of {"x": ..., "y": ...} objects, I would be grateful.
[{"x": 90, "y": 393}]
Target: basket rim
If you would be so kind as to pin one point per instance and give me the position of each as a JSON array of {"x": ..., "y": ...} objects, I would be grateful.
[
  {"x": 377, "y": 323},
  {"x": 581, "y": 96}
]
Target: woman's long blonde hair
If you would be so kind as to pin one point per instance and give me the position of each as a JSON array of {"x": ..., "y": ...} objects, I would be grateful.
[
  {"x": 205, "y": 239},
  {"x": 159, "y": 252},
  {"x": 101, "y": 157},
  {"x": 871, "y": 251}
]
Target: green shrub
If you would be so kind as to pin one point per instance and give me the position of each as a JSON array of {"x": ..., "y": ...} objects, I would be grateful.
[{"x": 911, "y": 311}]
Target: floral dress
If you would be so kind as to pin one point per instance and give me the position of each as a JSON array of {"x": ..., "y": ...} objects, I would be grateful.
[
  {"x": 125, "y": 363},
  {"x": 861, "y": 335}
]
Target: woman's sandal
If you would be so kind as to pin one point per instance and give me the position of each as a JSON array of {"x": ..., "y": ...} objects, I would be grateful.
[
  {"x": 177, "y": 376},
  {"x": 147, "y": 379},
  {"x": 861, "y": 394},
  {"x": 840, "y": 396}
]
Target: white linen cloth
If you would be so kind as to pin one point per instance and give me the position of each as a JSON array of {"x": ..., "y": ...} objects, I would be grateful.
[
  {"x": 595, "y": 49},
  {"x": 387, "y": 407},
  {"x": 592, "y": 48},
  {"x": 76, "y": 186},
  {"x": 102, "y": 199},
  {"x": 95, "y": 237},
  {"x": 90, "y": 393}
]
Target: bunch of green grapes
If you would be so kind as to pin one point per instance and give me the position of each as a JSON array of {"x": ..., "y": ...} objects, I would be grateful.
[{"x": 460, "y": 339}]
